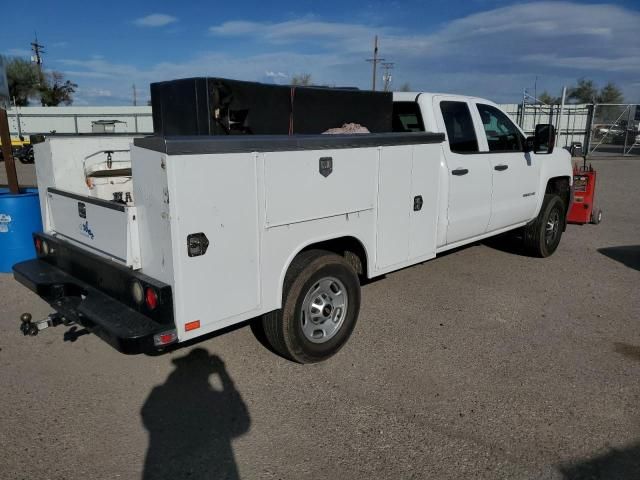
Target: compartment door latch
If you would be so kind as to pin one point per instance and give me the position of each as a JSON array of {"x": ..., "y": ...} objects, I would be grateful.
[{"x": 197, "y": 244}]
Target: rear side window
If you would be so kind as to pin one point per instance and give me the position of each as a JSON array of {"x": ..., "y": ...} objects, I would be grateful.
[
  {"x": 502, "y": 134},
  {"x": 406, "y": 117},
  {"x": 460, "y": 130}
]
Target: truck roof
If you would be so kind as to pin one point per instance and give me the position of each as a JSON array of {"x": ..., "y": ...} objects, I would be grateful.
[{"x": 413, "y": 96}]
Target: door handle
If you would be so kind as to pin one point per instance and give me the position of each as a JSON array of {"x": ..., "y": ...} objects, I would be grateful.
[
  {"x": 459, "y": 171},
  {"x": 501, "y": 168}
]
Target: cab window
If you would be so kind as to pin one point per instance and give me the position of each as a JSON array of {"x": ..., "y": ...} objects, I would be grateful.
[
  {"x": 460, "y": 130},
  {"x": 406, "y": 117},
  {"x": 502, "y": 135}
]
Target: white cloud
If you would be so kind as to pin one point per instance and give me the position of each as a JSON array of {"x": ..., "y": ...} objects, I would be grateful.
[
  {"x": 346, "y": 36},
  {"x": 19, "y": 52},
  {"x": 494, "y": 53},
  {"x": 270, "y": 73},
  {"x": 155, "y": 20}
]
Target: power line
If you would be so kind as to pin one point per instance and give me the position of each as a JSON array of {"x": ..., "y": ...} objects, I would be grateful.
[
  {"x": 375, "y": 60},
  {"x": 38, "y": 50},
  {"x": 387, "y": 77}
]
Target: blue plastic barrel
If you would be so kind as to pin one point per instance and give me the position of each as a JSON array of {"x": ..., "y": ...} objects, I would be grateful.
[{"x": 19, "y": 218}]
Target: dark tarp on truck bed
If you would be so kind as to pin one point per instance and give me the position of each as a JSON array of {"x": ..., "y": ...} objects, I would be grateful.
[{"x": 217, "y": 106}]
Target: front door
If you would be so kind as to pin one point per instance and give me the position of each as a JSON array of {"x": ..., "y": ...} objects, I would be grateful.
[
  {"x": 469, "y": 199},
  {"x": 515, "y": 173}
]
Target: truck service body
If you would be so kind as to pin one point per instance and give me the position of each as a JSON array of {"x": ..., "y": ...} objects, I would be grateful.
[{"x": 210, "y": 231}]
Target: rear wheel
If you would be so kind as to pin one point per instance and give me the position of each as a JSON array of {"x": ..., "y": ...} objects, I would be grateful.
[
  {"x": 596, "y": 216},
  {"x": 320, "y": 306},
  {"x": 542, "y": 236}
]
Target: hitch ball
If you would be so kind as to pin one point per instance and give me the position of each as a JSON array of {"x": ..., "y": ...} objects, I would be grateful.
[{"x": 27, "y": 327}]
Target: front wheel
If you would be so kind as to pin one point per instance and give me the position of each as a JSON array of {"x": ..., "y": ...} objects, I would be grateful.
[
  {"x": 320, "y": 306},
  {"x": 542, "y": 236}
]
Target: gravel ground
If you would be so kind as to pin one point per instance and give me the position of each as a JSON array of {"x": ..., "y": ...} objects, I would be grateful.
[{"x": 479, "y": 364}]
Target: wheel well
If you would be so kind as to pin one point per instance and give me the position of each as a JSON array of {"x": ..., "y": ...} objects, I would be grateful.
[
  {"x": 348, "y": 247},
  {"x": 560, "y": 186}
]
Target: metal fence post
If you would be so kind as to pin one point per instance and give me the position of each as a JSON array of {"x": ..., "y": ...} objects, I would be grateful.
[
  {"x": 587, "y": 140},
  {"x": 75, "y": 123},
  {"x": 626, "y": 133},
  {"x": 524, "y": 99},
  {"x": 18, "y": 122}
]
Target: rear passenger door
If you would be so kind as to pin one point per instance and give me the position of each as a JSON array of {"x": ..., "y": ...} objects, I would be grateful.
[
  {"x": 515, "y": 173},
  {"x": 469, "y": 173}
]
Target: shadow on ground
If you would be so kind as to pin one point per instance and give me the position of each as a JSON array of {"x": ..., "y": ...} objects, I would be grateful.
[
  {"x": 628, "y": 255},
  {"x": 191, "y": 424},
  {"x": 509, "y": 242},
  {"x": 616, "y": 464}
]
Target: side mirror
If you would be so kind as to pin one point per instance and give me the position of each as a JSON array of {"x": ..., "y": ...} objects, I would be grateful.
[{"x": 543, "y": 140}]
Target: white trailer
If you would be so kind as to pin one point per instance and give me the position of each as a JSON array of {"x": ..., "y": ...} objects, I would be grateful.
[{"x": 206, "y": 232}]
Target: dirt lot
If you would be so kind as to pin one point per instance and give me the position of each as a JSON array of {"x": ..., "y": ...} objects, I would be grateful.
[{"x": 480, "y": 364}]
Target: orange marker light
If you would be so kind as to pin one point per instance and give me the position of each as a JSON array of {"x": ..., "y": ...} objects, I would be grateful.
[{"x": 191, "y": 325}]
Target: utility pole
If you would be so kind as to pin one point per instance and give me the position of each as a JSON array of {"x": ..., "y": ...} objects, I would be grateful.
[
  {"x": 375, "y": 60},
  {"x": 387, "y": 78},
  {"x": 135, "y": 96},
  {"x": 38, "y": 50}
]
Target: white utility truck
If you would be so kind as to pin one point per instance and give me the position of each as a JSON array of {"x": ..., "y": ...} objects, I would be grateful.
[{"x": 158, "y": 240}]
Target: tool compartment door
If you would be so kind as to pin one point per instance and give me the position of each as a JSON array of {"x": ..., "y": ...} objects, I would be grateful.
[
  {"x": 103, "y": 227},
  {"x": 408, "y": 187},
  {"x": 215, "y": 195}
]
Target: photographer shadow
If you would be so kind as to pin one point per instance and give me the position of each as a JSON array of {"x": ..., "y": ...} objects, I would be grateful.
[{"x": 192, "y": 424}]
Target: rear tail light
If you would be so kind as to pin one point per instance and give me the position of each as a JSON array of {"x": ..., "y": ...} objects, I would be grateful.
[
  {"x": 151, "y": 298},
  {"x": 42, "y": 247},
  {"x": 165, "y": 338},
  {"x": 137, "y": 292}
]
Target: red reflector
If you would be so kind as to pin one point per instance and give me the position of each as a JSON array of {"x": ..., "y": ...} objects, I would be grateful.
[
  {"x": 151, "y": 298},
  {"x": 165, "y": 338},
  {"x": 192, "y": 325},
  {"x": 38, "y": 245}
]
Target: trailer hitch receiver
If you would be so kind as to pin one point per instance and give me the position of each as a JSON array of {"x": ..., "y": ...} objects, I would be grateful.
[{"x": 31, "y": 328}]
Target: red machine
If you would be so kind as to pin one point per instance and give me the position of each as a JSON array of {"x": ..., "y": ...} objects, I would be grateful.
[{"x": 583, "y": 209}]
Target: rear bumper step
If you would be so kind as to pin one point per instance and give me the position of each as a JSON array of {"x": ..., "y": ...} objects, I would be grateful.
[{"x": 124, "y": 328}]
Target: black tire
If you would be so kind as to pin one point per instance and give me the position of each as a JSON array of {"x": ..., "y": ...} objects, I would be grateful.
[
  {"x": 596, "y": 216},
  {"x": 283, "y": 328},
  {"x": 538, "y": 241}
]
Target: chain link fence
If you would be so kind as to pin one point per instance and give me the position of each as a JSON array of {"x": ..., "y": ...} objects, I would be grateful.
[
  {"x": 614, "y": 130},
  {"x": 600, "y": 129}
]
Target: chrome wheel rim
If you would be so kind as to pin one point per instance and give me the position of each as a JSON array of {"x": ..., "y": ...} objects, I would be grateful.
[
  {"x": 324, "y": 309},
  {"x": 553, "y": 227}
]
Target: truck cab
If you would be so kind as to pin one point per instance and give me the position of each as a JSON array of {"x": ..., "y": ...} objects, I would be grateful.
[{"x": 494, "y": 181}]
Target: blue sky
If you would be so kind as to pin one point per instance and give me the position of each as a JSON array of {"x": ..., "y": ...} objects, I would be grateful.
[{"x": 488, "y": 48}]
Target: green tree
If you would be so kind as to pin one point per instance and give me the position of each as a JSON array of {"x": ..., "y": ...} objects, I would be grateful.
[
  {"x": 22, "y": 77},
  {"x": 57, "y": 90},
  {"x": 545, "y": 97},
  {"x": 610, "y": 93},
  {"x": 586, "y": 91},
  {"x": 301, "y": 79}
]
